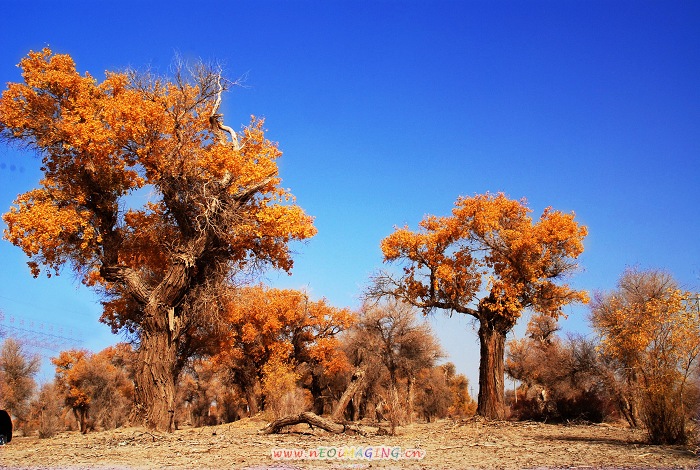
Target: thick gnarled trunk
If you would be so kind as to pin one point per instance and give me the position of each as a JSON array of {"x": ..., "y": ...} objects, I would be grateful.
[
  {"x": 158, "y": 364},
  {"x": 155, "y": 377},
  {"x": 491, "y": 402}
]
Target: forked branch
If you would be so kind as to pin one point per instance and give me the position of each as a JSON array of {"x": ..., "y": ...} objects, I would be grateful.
[{"x": 216, "y": 119}]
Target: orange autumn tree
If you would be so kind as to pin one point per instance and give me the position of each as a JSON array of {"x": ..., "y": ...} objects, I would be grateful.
[
  {"x": 282, "y": 327},
  {"x": 96, "y": 387},
  {"x": 491, "y": 261},
  {"x": 649, "y": 331},
  {"x": 146, "y": 195},
  {"x": 70, "y": 366}
]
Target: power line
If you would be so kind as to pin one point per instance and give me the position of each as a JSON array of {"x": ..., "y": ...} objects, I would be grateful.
[{"x": 37, "y": 335}]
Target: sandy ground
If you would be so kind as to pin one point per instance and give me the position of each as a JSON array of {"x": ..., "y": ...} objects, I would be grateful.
[{"x": 441, "y": 445}]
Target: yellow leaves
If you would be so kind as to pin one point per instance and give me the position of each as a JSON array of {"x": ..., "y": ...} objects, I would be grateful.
[
  {"x": 42, "y": 228},
  {"x": 400, "y": 242},
  {"x": 81, "y": 374},
  {"x": 286, "y": 221},
  {"x": 248, "y": 333},
  {"x": 489, "y": 236},
  {"x": 265, "y": 323},
  {"x": 48, "y": 71},
  {"x": 327, "y": 351},
  {"x": 487, "y": 213},
  {"x": 101, "y": 142},
  {"x": 648, "y": 325}
]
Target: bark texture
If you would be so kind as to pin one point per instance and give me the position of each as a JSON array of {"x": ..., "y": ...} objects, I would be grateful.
[
  {"x": 155, "y": 379},
  {"x": 491, "y": 402},
  {"x": 357, "y": 383}
]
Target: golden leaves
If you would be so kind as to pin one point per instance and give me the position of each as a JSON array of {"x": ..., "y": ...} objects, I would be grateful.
[
  {"x": 648, "y": 324},
  {"x": 103, "y": 141},
  {"x": 48, "y": 231},
  {"x": 489, "y": 237},
  {"x": 281, "y": 324}
]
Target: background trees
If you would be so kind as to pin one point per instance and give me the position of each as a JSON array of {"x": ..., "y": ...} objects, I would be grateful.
[
  {"x": 216, "y": 206},
  {"x": 403, "y": 346},
  {"x": 649, "y": 330},
  {"x": 17, "y": 371},
  {"x": 285, "y": 331},
  {"x": 490, "y": 244},
  {"x": 560, "y": 379},
  {"x": 395, "y": 375},
  {"x": 98, "y": 388},
  {"x": 441, "y": 392}
]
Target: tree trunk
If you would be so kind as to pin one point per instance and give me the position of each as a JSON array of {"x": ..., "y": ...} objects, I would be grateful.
[
  {"x": 629, "y": 400},
  {"x": 359, "y": 405},
  {"x": 252, "y": 400},
  {"x": 155, "y": 378},
  {"x": 317, "y": 394},
  {"x": 356, "y": 383},
  {"x": 410, "y": 392},
  {"x": 81, "y": 417},
  {"x": 491, "y": 372}
]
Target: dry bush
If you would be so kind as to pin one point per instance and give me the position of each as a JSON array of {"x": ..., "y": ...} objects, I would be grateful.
[
  {"x": 46, "y": 412},
  {"x": 196, "y": 394},
  {"x": 17, "y": 370},
  {"x": 204, "y": 398},
  {"x": 665, "y": 423},
  {"x": 98, "y": 388},
  {"x": 390, "y": 331},
  {"x": 560, "y": 380},
  {"x": 441, "y": 392},
  {"x": 649, "y": 332},
  {"x": 433, "y": 395}
]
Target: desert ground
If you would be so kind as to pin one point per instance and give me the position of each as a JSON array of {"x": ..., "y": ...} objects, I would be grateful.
[{"x": 444, "y": 444}]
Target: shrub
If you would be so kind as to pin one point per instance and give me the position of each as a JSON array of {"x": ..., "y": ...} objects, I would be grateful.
[
  {"x": 282, "y": 394},
  {"x": 46, "y": 411}
]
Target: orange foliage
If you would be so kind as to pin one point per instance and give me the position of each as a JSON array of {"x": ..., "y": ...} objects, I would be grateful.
[
  {"x": 70, "y": 368},
  {"x": 649, "y": 330},
  {"x": 102, "y": 141},
  {"x": 490, "y": 242},
  {"x": 96, "y": 386},
  {"x": 145, "y": 196},
  {"x": 284, "y": 325},
  {"x": 649, "y": 326}
]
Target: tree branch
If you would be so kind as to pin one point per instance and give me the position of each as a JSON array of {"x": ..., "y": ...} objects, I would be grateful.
[
  {"x": 129, "y": 278},
  {"x": 314, "y": 420},
  {"x": 215, "y": 119}
]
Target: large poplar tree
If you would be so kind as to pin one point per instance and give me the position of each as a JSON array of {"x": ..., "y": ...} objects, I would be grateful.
[
  {"x": 491, "y": 261},
  {"x": 148, "y": 194}
]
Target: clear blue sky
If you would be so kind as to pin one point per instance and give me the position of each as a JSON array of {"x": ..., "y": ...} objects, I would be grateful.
[{"x": 388, "y": 110}]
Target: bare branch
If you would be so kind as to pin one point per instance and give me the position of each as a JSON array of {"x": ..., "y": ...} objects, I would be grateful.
[{"x": 215, "y": 119}]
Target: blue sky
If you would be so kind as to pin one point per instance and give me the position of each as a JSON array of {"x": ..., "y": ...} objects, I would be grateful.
[{"x": 389, "y": 110}]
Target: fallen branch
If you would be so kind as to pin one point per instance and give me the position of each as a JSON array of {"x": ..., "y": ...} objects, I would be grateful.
[{"x": 311, "y": 419}]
